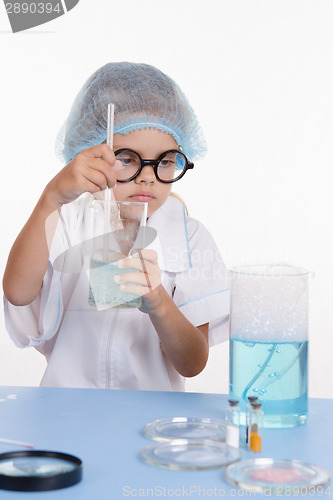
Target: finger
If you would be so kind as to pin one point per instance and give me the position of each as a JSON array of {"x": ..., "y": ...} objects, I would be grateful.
[
  {"x": 135, "y": 289},
  {"x": 149, "y": 257},
  {"x": 146, "y": 254},
  {"x": 83, "y": 179},
  {"x": 101, "y": 151},
  {"x": 96, "y": 178},
  {"x": 141, "y": 265},
  {"x": 131, "y": 278},
  {"x": 103, "y": 166}
]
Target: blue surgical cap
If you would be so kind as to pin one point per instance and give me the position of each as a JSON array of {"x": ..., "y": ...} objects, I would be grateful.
[{"x": 144, "y": 98}]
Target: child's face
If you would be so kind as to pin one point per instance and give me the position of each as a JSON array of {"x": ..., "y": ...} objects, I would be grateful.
[{"x": 149, "y": 144}]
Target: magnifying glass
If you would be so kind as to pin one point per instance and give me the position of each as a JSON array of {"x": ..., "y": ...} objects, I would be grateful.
[{"x": 33, "y": 470}]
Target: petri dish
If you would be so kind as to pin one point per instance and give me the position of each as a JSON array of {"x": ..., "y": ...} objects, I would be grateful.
[
  {"x": 277, "y": 476},
  {"x": 35, "y": 470},
  {"x": 185, "y": 428},
  {"x": 189, "y": 454}
]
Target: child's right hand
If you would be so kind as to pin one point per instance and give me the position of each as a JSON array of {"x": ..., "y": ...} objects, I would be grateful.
[{"x": 92, "y": 170}]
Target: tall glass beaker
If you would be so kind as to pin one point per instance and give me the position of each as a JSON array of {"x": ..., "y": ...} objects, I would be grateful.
[
  {"x": 116, "y": 229},
  {"x": 269, "y": 341}
]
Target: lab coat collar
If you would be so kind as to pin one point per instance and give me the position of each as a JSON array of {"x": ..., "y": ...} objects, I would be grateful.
[{"x": 171, "y": 243}]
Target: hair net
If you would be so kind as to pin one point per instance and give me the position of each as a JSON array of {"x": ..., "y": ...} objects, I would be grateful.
[{"x": 143, "y": 96}]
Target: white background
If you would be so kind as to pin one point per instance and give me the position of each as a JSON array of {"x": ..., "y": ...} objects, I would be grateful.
[{"x": 259, "y": 74}]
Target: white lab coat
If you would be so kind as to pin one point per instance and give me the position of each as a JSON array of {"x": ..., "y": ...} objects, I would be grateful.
[{"x": 119, "y": 348}]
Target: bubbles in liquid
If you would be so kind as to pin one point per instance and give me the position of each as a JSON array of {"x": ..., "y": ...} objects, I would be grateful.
[
  {"x": 104, "y": 293},
  {"x": 282, "y": 387},
  {"x": 269, "y": 304}
]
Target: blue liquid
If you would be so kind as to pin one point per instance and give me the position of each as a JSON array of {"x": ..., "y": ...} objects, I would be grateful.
[
  {"x": 277, "y": 373},
  {"x": 104, "y": 292}
]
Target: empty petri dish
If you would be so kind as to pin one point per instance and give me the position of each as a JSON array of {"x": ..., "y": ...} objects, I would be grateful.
[
  {"x": 185, "y": 428},
  {"x": 189, "y": 454},
  {"x": 277, "y": 476},
  {"x": 38, "y": 470}
]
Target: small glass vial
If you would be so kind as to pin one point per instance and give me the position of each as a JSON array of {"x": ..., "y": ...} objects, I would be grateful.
[
  {"x": 233, "y": 421},
  {"x": 256, "y": 423},
  {"x": 251, "y": 399}
]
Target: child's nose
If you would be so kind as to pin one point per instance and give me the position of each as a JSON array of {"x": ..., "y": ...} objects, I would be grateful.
[{"x": 147, "y": 174}]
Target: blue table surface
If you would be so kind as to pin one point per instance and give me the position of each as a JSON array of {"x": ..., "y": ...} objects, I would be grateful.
[{"x": 105, "y": 429}]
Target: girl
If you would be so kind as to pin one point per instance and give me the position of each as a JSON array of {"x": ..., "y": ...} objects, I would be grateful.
[{"x": 182, "y": 279}]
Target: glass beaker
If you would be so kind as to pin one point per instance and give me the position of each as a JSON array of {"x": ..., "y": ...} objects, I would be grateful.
[
  {"x": 116, "y": 227},
  {"x": 269, "y": 341}
]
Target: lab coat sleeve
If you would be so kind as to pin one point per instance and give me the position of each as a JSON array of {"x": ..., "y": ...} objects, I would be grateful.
[
  {"x": 37, "y": 322},
  {"x": 202, "y": 292},
  {"x": 32, "y": 324}
]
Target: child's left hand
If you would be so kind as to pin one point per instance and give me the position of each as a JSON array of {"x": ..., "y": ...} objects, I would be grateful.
[{"x": 146, "y": 282}]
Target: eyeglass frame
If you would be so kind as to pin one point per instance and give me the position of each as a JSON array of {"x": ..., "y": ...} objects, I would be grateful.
[{"x": 188, "y": 165}]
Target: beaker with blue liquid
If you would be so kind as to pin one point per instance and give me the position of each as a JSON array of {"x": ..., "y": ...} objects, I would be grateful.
[{"x": 269, "y": 341}]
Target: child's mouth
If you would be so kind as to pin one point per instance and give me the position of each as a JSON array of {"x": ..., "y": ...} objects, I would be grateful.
[{"x": 146, "y": 197}]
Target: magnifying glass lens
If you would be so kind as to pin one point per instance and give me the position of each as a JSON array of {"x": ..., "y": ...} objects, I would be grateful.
[{"x": 33, "y": 466}]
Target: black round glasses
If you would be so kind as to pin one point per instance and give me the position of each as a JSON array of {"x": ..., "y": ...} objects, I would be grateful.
[{"x": 170, "y": 166}]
